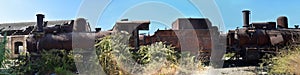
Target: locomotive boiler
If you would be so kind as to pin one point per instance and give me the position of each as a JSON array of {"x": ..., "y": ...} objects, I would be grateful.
[
  {"x": 45, "y": 37},
  {"x": 76, "y": 34},
  {"x": 254, "y": 40}
]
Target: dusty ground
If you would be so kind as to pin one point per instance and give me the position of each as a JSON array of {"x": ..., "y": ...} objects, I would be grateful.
[{"x": 249, "y": 70}]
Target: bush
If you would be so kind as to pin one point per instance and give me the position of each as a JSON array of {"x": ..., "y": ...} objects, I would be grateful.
[
  {"x": 4, "y": 57},
  {"x": 285, "y": 62},
  {"x": 116, "y": 57},
  {"x": 4, "y": 53},
  {"x": 55, "y": 61}
]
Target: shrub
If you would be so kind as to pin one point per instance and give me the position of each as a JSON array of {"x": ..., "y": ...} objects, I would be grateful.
[
  {"x": 4, "y": 53},
  {"x": 116, "y": 57},
  {"x": 5, "y": 62},
  {"x": 55, "y": 61},
  {"x": 285, "y": 62}
]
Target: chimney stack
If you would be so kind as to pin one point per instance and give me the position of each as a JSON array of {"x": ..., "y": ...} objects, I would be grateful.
[
  {"x": 246, "y": 14},
  {"x": 98, "y": 29},
  {"x": 39, "y": 23},
  {"x": 282, "y": 22}
]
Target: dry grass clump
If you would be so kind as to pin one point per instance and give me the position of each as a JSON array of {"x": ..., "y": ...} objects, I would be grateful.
[
  {"x": 117, "y": 58},
  {"x": 286, "y": 62}
]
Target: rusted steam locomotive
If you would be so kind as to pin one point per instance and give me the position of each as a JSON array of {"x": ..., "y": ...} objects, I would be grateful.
[
  {"x": 76, "y": 34},
  {"x": 254, "y": 40},
  {"x": 250, "y": 42},
  {"x": 45, "y": 37}
]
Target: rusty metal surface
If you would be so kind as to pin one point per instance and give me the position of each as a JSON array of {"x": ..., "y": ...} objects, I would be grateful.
[
  {"x": 264, "y": 25},
  {"x": 191, "y": 23},
  {"x": 59, "y": 41},
  {"x": 130, "y": 26},
  {"x": 258, "y": 37},
  {"x": 262, "y": 37},
  {"x": 291, "y": 35},
  {"x": 187, "y": 34},
  {"x": 282, "y": 22},
  {"x": 60, "y": 36},
  {"x": 275, "y": 37},
  {"x": 39, "y": 23},
  {"x": 246, "y": 18},
  {"x": 183, "y": 40}
]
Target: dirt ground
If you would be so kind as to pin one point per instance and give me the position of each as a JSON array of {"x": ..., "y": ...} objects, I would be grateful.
[{"x": 248, "y": 70}]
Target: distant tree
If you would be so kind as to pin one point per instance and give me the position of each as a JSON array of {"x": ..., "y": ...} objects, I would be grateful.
[{"x": 4, "y": 53}]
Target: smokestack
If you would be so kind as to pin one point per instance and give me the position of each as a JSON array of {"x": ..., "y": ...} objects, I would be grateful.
[
  {"x": 40, "y": 21},
  {"x": 246, "y": 17},
  {"x": 98, "y": 29},
  {"x": 282, "y": 22}
]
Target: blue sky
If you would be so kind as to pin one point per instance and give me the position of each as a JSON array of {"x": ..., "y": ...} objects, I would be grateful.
[{"x": 161, "y": 12}]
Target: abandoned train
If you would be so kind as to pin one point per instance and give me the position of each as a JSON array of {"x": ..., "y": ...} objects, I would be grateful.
[
  {"x": 196, "y": 34},
  {"x": 254, "y": 40}
]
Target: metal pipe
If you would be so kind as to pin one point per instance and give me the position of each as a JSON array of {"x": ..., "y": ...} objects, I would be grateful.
[
  {"x": 98, "y": 29},
  {"x": 136, "y": 39},
  {"x": 246, "y": 18},
  {"x": 282, "y": 22},
  {"x": 39, "y": 23}
]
